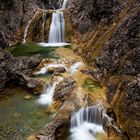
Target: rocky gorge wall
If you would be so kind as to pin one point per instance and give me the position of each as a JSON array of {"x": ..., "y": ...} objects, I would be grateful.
[
  {"x": 15, "y": 15},
  {"x": 107, "y": 37}
]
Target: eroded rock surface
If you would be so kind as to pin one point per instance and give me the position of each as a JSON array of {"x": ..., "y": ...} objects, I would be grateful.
[
  {"x": 17, "y": 70},
  {"x": 112, "y": 46}
]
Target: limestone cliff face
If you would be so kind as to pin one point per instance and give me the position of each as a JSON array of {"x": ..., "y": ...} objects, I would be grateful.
[{"x": 109, "y": 35}]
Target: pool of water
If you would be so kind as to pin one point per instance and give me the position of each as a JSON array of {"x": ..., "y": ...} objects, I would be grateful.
[
  {"x": 31, "y": 49},
  {"x": 20, "y": 117}
]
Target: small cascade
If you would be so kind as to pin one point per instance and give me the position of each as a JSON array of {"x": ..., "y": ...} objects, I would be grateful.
[
  {"x": 26, "y": 29},
  {"x": 64, "y": 4},
  {"x": 43, "y": 25},
  {"x": 75, "y": 67},
  {"x": 45, "y": 69},
  {"x": 57, "y": 28},
  {"x": 47, "y": 97},
  {"x": 87, "y": 123}
]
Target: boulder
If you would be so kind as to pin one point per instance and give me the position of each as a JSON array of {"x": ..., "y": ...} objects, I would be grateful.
[
  {"x": 17, "y": 70},
  {"x": 65, "y": 88}
]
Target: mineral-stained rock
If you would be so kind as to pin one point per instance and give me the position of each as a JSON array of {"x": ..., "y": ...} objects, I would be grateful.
[
  {"x": 56, "y": 70},
  {"x": 126, "y": 107},
  {"x": 12, "y": 69},
  {"x": 112, "y": 46},
  {"x": 65, "y": 88}
]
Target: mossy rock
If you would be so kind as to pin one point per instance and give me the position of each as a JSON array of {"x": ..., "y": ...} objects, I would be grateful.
[{"x": 91, "y": 84}]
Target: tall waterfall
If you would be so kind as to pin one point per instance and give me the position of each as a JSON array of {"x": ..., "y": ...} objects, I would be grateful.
[
  {"x": 57, "y": 28},
  {"x": 86, "y": 123}
]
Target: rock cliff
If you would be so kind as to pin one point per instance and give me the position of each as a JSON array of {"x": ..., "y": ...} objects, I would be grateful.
[{"x": 111, "y": 44}]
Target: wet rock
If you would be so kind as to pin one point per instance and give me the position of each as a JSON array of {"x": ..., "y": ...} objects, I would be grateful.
[
  {"x": 65, "y": 88},
  {"x": 27, "y": 97},
  {"x": 12, "y": 70},
  {"x": 56, "y": 70}
]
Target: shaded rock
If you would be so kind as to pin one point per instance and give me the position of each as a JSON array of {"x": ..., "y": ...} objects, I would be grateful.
[
  {"x": 86, "y": 14},
  {"x": 56, "y": 70},
  {"x": 126, "y": 107},
  {"x": 12, "y": 70}
]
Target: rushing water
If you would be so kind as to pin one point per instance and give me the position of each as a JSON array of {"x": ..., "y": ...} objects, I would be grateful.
[
  {"x": 56, "y": 35},
  {"x": 57, "y": 28},
  {"x": 26, "y": 29},
  {"x": 86, "y": 123},
  {"x": 43, "y": 25},
  {"x": 47, "y": 97},
  {"x": 75, "y": 67}
]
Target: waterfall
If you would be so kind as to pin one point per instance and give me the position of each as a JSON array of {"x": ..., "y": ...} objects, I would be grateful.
[
  {"x": 45, "y": 69},
  {"x": 57, "y": 28},
  {"x": 26, "y": 29},
  {"x": 86, "y": 123},
  {"x": 64, "y": 4},
  {"x": 75, "y": 67},
  {"x": 43, "y": 25},
  {"x": 47, "y": 97}
]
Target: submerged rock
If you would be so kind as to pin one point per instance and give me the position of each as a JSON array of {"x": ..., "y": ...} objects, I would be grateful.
[{"x": 27, "y": 97}]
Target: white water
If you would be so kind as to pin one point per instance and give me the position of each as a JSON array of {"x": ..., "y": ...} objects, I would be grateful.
[
  {"x": 43, "y": 25},
  {"x": 75, "y": 67},
  {"x": 86, "y": 123},
  {"x": 45, "y": 69},
  {"x": 57, "y": 28},
  {"x": 43, "y": 44},
  {"x": 64, "y": 4},
  {"x": 47, "y": 97},
  {"x": 26, "y": 29}
]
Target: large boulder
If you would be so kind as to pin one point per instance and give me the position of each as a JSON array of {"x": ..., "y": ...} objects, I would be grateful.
[{"x": 17, "y": 70}]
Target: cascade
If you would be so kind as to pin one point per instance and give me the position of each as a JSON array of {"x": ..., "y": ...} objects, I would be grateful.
[
  {"x": 45, "y": 69},
  {"x": 26, "y": 29},
  {"x": 56, "y": 35},
  {"x": 57, "y": 28},
  {"x": 64, "y": 4},
  {"x": 43, "y": 25},
  {"x": 86, "y": 123},
  {"x": 75, "y": 67},
  {"x": 47, "y": 97}
]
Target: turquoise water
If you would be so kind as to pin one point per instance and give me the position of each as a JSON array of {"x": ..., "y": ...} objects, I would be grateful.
[
  {"x": 19, "y": 117},
  {"x": 31, "y": 49}
]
